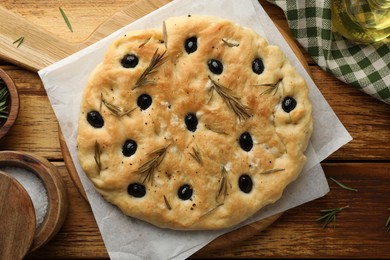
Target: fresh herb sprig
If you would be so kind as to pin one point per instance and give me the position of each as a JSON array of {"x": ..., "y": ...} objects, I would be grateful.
[
  {"x": 329, "y": 216},
  {"x": 149, "y": 166},
  {"x": 343, "y": 185},
  {"x": 157, "y": 60},
  {"x": 3, "y": 100},
  {"x": 232, "y": 101}
]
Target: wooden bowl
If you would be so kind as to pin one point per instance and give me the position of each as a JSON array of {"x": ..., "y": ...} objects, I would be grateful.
[
  {"x": 13, "y": 104},
  {"x": 56, "y": 192}
]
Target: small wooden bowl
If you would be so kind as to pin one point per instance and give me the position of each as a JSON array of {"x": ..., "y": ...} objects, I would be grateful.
[
  {"x": 56, "y": 192},
  {"x": 13, "y": 104}
]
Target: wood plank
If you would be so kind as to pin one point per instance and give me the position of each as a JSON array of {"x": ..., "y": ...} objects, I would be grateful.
[{"x": 295, "y": 234}]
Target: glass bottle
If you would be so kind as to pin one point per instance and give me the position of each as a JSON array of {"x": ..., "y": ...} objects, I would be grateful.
[{"x": 362, "y": 21}]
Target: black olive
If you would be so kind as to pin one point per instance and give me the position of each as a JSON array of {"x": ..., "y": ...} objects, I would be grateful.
[
  {"x": 215, "y": 66},
  {"x": 129, "y": 61},
  {"x": 289, "y": 104},
  {"x": 191, "y": 45},
  {"x": 136, "y": 190},
  {"x": 245, "y": 183},
  {"x": 144, "y": 101},
  {"x": 191, "y": 122},
  {"x": 95, "y": 119},
  {"x": 246, "y": 141},
  {"x": 258, "y": 66},
  {"x": 129, "y": 148},
  {"x": 185, "y": 192}
]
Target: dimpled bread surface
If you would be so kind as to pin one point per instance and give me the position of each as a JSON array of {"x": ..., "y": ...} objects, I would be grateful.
[{"x": 196, "y": 125}]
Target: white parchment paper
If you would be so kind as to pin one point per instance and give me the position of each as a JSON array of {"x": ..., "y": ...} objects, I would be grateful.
[{"x": 128, "y": 238}]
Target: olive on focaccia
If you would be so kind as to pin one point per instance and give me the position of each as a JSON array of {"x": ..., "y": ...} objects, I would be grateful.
[{"x": 195, "y": 125}]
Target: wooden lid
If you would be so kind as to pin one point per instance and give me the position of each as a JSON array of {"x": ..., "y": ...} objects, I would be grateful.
[
  {"x": 17, "y": 215},
  {"x": 13, "y": 104}
]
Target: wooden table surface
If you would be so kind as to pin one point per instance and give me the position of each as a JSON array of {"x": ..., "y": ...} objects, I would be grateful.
[{"x": 364, "y": 163}]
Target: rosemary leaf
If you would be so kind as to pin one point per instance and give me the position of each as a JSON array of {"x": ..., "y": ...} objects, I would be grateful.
[
  {"x": 273, "y": 170},
  {"x": 329, "y": 215},
  {"x": 167, "y": 203},
  {"x": 97, "y": 156},
  {"x": 231, "y": 101},
  {"x": 343, "y": 185},
  {"x": 272, "y": 87},
  {"x": 196, "y": 155},
  {"x": 66, "y": 19},
  {"x": 165, "y": 35},
  {"x": 157, "y": 60},
  {"x": 223, "y": 187},
  {"x": 19, "y": 41},
  {"x": 230, "y": 43}
]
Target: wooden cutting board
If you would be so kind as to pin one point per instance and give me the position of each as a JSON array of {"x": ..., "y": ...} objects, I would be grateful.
[{"x": 41, "y": 48}]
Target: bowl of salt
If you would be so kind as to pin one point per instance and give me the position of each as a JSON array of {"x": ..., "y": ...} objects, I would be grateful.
[{"x": 45, "y": 188}]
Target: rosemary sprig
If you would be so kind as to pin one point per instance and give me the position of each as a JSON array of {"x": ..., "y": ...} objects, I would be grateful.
[
  {"x": 272, "y": 87},
  {"x": 19, "y": 41},
  {"x": 273, "y": 170},
  {"x": 223, "y": 186},
  {"x": 97, "y": 156},
  {"x": 157, "y": 60},
  {"x": 116, "y": 110},
  {"x": 231, "y": 101},
  {"x": 230, "y": 43},
  {"x": 167, "y": 203},
  {"x": 329, "y": 215},
  {"x": 343, "y": 185},
  {"x": 3, "y": 99},
  {"x": 66, "y": 19},
  {"x": 197, "y": 155},
  {"x": 148, "y": 168},
  {"x": 387, "y": 225}
]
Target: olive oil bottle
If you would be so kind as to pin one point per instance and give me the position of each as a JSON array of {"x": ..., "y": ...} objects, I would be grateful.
[{"x": 362, "y": 21}]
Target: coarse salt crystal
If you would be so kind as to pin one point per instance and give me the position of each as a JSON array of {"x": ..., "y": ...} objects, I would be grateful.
[{"x": 34, "y": 187}]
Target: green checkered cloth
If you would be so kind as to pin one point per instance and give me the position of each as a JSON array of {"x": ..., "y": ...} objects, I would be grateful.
[{"x": 362, "y": 66}]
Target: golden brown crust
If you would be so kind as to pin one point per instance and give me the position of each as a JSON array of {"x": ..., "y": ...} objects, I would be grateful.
[{"x": 209, "y": 159}]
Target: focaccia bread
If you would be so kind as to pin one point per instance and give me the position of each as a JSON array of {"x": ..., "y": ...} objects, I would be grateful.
[{"x": 195, "y": 125}]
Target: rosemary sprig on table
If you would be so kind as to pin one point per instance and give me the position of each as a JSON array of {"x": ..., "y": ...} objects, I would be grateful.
[
  {"x": 66, "y": 19},
  {"x": 329, "y": 215},
  {"x": 149, "y": 166},
  {"x": 343, "y": 185},
  {"x": 157, "y": 60},
  {"x": 19, "y": 41},
  {"x": 387, "y": 225},
  {"x": 232, "y": 101},
  {"x": 3, "y": 100}
]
